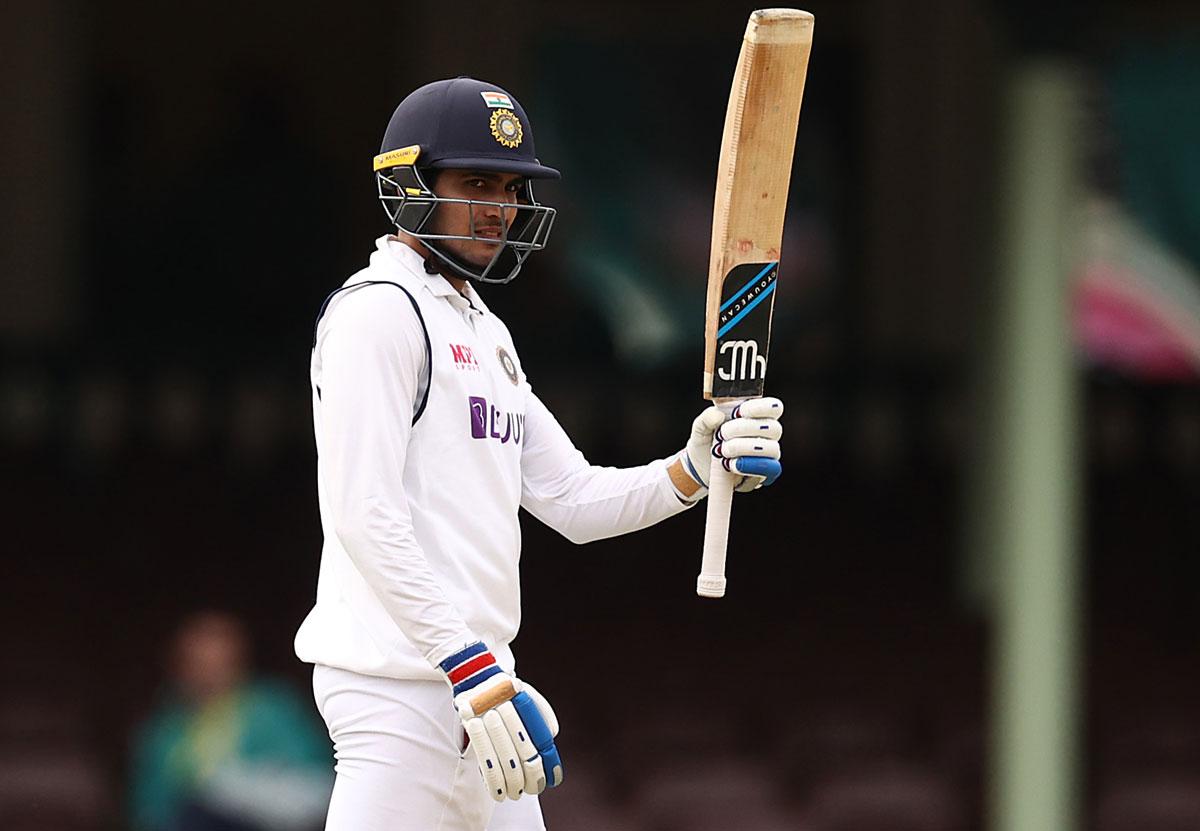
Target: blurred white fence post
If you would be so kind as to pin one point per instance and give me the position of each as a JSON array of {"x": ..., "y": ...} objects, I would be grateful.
[{"x": 1033, "y": 473}]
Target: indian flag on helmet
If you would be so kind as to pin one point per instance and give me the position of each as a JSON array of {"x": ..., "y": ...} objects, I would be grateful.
[{"x": 496, "y": 99}]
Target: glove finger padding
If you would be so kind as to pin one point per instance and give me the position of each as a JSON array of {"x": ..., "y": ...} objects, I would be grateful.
[
  {"x": 758, "y": 408},
  {"x": 765, "y": 428},
  {"x": 752, "y": 447},
  {"x": 485, "y": 754},
  {"x": 530, "y": 760},
  {"x": 756, "y": 472},
  {"x": 540, "y": 733},
  {"x": 506, "y": 751}
]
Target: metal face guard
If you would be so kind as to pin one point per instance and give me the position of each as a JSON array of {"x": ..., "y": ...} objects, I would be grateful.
[{"x": 409, "y": 204}]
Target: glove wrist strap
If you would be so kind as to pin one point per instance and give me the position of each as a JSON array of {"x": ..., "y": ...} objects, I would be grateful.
[
  {"x": 469, "y": 667},
  {"x": 684, "y": 478}
]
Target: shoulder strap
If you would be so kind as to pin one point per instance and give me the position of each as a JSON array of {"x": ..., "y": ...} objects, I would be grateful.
[{"x": 427, "y": 376}]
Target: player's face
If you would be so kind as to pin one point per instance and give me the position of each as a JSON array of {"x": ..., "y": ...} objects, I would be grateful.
[
  {"x": 484, "y": 221},
  {"x": 210, "y": 656}
]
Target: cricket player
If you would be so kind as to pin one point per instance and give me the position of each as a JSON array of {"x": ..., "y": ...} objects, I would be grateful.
[{"x": 429, "y": 440}]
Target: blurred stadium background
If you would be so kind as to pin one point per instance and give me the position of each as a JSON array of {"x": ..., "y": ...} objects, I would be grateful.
[{"x": 184, "y": 183}]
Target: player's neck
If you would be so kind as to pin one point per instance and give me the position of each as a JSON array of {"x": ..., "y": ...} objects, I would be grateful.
[{"x": 459, "y": 283}]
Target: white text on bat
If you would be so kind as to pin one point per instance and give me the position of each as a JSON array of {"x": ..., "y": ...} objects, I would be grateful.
[{"x": 743, "y": 356}]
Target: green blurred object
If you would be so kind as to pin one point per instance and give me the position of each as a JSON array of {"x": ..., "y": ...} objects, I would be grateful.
[
  {"x": 185, "y": 752},
  {"x": 1156, "y": 119}
]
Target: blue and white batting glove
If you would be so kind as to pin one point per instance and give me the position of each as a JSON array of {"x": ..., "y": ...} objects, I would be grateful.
[
  {"x": 746, "y": 442},
  {"x": 509, "y": 723}
]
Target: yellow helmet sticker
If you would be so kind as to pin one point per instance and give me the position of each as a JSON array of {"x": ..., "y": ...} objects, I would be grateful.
[
  {"x": 506, "y": 128},
  {"x": 405, "y": 156}
]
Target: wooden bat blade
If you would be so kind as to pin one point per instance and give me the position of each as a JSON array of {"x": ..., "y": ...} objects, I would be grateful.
[{"x": 751, "y": 198}]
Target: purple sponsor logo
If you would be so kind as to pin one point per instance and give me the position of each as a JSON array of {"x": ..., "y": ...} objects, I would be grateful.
[{"x": 488, "y": 422}]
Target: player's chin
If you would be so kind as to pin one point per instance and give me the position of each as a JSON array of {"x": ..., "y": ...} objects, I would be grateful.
[{"x": 478, "y": 252}]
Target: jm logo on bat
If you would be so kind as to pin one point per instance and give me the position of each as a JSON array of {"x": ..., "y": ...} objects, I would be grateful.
[{"x": 743, "y": 356}]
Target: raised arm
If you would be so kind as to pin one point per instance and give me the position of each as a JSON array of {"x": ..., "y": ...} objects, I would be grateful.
[{"x": 584, "y": 502}]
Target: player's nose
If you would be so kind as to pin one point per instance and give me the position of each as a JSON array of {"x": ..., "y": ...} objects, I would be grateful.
[{"x": 491, "y": 204}]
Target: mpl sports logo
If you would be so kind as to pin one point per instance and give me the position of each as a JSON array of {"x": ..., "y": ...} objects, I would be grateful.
[
  {"x": 490, "y": 422},
  {"x": 464, "y": 358}
]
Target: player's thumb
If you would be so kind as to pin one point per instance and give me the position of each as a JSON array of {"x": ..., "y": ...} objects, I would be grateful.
[
  {"x": 543, "y": 707},
  {"x": 707, "y": 423}
]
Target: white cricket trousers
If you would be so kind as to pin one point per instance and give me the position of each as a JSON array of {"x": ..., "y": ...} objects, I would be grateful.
[{"x": 400, "y": 760}]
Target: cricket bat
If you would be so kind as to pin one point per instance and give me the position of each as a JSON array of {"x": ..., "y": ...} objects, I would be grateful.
[{"x": 747, "y": 234}]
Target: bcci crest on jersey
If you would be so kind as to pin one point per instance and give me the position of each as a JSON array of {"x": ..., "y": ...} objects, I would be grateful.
[{"x": 489, "y": 422}]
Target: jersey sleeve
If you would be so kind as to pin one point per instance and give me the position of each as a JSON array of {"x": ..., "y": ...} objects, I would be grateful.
[
  {"x": 372, "y": 354},
  {"x": 584, "y": 502}
]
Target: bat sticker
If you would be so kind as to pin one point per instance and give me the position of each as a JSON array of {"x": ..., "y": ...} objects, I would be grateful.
[{"x": 744, "y": 329}]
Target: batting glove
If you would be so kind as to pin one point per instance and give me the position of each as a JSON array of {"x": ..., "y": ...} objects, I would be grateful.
[
  {"x": 509, "y": 723},
  {"x": 745, "y": 442}
]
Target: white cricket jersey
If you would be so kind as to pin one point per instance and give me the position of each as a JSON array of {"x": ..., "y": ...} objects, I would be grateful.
[{"x": 429, "y": 439}]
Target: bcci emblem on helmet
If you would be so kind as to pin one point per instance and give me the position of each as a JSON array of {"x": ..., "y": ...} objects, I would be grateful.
[{"x": 506, "y": 128}]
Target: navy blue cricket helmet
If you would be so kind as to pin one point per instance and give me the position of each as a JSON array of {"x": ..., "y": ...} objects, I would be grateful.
[{"x": 472, "y": 125}]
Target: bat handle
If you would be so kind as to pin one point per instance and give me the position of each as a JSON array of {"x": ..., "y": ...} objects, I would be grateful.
[{"x": 711, "y": 582}]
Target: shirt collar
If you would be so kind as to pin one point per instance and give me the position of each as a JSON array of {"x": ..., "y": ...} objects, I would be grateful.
[{"x": 438, "y": 285}]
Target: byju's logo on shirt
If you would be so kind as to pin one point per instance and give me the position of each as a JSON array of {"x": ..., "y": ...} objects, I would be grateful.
[
  {"x": 464, "y": 358},
  {"x": 488, "y": 422}
]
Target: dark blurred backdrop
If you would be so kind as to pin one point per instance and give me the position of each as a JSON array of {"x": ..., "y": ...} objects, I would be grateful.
[{"x": 184, "y": 183}]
